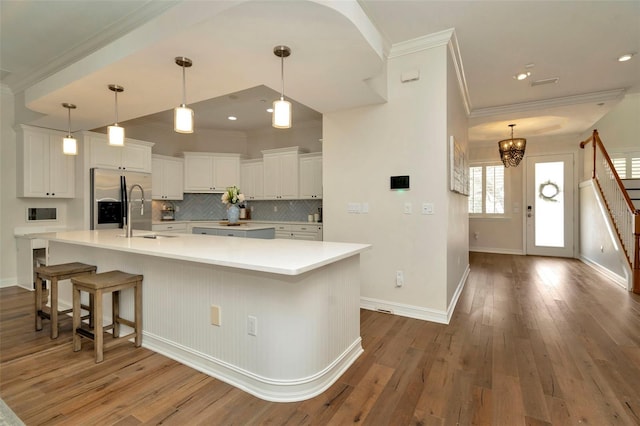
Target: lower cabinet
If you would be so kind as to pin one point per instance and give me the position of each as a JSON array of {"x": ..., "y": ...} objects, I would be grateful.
[
  {"x": 311, "y": 232},
  {"x": 178, "y": 228},
  {"x": 264, "y": 234}
]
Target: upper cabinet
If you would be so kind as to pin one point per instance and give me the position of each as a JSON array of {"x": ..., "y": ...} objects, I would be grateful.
[
  {"x": 252, "y": 179},
  {"x": 43, "y": 171},
  {"x": 167, "y": 178},
  {"x": 311, "y": 175},
  {"x": 281, "y": 173},
  {"x": 210, "y": 172},
  {"x": 134, "y": 156}
]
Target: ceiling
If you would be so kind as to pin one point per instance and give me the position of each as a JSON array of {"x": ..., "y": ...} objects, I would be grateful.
[{"x": 338, "y": 52}]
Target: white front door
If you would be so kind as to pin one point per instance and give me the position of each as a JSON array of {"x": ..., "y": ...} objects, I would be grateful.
[{"x": 549, "y": 211}]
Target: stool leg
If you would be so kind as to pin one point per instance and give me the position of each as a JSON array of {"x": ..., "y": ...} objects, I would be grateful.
[
  {"x": 138, "y": 313},
  {"x": 115, "y": 313},
  {"x": 54, "y": 307},
  {"x": 38, "y": 302},
  {"x": 76, "y": 319},
  {"x": 97, "y": 329},
  {"x": 91, "y": 310}
]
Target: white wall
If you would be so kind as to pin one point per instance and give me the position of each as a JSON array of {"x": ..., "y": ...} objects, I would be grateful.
[
  {"x": 362, "y": 148},
  {"x": 306, "y": 135}
]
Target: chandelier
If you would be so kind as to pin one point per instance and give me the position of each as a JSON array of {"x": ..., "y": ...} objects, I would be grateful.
[{"x": 512, "y": 150}]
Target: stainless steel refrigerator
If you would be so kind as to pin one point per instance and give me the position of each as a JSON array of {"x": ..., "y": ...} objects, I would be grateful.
[{"x": 109, "y": 196}]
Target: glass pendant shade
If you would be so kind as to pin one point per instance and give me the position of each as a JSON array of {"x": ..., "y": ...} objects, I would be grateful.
[
  {"x": 69, "y": 143},
  {"x": 281, "y": 118},
  {"x": 70, "y": 146},
  {"x": 183, "y": 119},
  {"x": 116, "y": 135}
]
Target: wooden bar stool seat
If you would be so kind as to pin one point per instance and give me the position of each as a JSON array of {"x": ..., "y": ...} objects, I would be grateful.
[
  {"x": 53, "y": 274},
  {"x": 97, "y": 285}
]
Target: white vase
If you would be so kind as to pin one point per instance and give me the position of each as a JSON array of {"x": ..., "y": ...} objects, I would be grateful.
[{"x": 233, "y": 213}]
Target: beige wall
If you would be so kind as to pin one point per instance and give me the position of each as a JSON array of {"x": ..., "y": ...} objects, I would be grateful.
[{"x": 408, "y": 135}]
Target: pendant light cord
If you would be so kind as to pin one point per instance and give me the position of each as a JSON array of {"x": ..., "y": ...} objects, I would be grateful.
[
  {"x": 116, "y": 92},
  {"x": 69, "y": 122},
  {"x": 184, "y": 88},
  {"x": 282, "y": 76}
]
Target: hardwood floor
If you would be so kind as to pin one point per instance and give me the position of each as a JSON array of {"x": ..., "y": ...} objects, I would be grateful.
[{"x": 533, "y": 341}]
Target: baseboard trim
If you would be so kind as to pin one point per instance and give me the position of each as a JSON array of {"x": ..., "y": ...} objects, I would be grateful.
[
  {"x": 497, "y": 250},
  {"x": 275, "y": 390},
  {"x": 10, "y": 282},
  {"x": 416, "y": 312},
  {"x": 617, "y": 279}
]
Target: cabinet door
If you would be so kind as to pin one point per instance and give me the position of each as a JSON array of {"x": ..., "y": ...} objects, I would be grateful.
[
  {"x": 311, "y": 177},
  {"x": 226, "y": 172},
  {"x": 35, "y": 165},
  {"x": 289, "y": 183},
  {"x": 198, "y": 173},
  {"x": 157, "y": 177},
  {"x": 61, "y": 170},
  {"x": 136, "y": 158},
  {"x": 247, "y": 180},
  {"x": 173, "y": 180},
  {"x": 258, "y": 181},
  {"x": 271, "y": 177},
  {"x": 103, "y": 155}
]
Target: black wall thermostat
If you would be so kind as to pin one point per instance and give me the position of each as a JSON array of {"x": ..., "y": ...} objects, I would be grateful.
[{"x": 399, "y": 182}]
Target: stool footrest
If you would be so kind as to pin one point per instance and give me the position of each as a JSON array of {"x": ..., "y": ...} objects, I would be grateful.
[
  {"x": 86, "y": 333},
  {"x": 127, "y": 322},
  {"x": 117, "y": 340}
]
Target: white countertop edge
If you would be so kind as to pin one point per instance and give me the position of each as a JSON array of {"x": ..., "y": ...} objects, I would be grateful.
[{"x": 348, "y": 250}]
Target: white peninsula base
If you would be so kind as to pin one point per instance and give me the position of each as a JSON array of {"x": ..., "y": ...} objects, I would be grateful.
[{"x": 306, "y": 325}]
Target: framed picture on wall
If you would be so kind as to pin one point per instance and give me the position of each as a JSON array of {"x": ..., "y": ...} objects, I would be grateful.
[{"x": 459, "y": 172}]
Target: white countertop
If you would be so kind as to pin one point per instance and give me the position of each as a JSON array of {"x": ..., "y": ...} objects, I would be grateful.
[{"x": 278, "y": 256}]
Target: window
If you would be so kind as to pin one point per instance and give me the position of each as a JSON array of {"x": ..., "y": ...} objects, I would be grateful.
[
  {"x": 627, "y": 165},
  {"x": 486, "y": 190}
]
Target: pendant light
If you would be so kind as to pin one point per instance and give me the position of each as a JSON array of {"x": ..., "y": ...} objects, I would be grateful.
[
  {"x": 183, "y": 116},
  {"x": 512, "y": 150},
  {"x": 69, "y": 143},
  {"x": 281, "y": 118},
  {"x": 116, "y": 133}
]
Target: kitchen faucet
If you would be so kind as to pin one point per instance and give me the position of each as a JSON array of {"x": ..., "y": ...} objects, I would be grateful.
[{"x": 129, "y": 221}]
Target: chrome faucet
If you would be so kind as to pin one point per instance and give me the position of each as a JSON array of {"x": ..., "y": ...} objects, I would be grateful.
[{"x": 129, "y": 221}]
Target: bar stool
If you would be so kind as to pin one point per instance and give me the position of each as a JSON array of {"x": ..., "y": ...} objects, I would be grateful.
[
  {"x": 97, "y": 285},
  {"x": 55, "y": 273}
]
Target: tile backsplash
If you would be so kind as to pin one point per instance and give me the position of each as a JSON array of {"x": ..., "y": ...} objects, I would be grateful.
[{"x": 209, "y": 207}]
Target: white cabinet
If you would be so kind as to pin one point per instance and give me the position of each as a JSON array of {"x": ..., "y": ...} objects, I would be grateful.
[
  {"x": 167, "y": 178},
  {"x": 281, "y": 173},
  {"x": 169, "y": 228},
  {"x": 310, "y": 232},
  {"x": 311, "y": 175},
  {"x": 43, "y": 171},
  {"x": 134, "y": 156},
  {"x": 252, "y": 179},
  {"x": 210, "y": 172}
]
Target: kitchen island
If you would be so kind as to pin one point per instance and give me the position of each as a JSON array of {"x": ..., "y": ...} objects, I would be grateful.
[{"x": 287, "y": 312}]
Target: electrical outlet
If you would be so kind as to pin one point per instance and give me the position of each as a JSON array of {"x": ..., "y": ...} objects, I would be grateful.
[
  {"x": 275, "y": 208},
  {"x": 427, "y": 208},
  {"x": 399, "y": 278},
  {"x": 215, "y": 315},
  {"x": 407, "y": 208},
  {"x": 252, "y": 326}
]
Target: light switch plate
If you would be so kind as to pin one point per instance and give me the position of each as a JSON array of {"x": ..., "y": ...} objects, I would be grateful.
[
  {"x": 215, "y": 315},
  {"x": 407, "y": 208},
  {"x": 427, "y": 208}
]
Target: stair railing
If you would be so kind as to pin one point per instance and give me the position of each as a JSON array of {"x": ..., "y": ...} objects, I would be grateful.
[{"x": 625, "y": 217}]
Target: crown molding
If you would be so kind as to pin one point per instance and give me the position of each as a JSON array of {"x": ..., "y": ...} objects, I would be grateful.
[
  {"x": 454, "y": 50},
  {"x": 421, "y": 43},
  {"x": 593, "y": 97}
]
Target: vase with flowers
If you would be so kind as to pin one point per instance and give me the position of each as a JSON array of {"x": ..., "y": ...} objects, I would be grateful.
[{"x": 231, "y": 197}]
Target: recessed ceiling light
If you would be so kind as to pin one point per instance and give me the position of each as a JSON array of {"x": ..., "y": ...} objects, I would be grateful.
[
  {"x": 522, "y": 75},
  {"x": 269, "y": 110},
  {"x": 232, "y": 118},
  {"x": 625, "y": 57}
]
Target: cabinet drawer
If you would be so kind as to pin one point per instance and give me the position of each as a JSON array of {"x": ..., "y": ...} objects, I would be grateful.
[{"x": 167, "y": 227}]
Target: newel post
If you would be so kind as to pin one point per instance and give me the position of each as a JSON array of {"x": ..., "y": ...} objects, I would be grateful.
[
  {"x": 595, "y": 139},
  {"x": 636, "y": 256}
]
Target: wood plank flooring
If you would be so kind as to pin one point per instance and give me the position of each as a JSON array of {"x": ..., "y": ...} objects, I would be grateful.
[{"x": 533, "y": 341}]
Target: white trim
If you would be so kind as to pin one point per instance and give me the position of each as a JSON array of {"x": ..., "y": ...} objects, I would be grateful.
[
  {"x": 274, "y": 390},
  {"x": 454, "y": 49},
  {"x": 416, "y": 312},
  {"x": 10, "y": 282},
  {"x": 497, "y": 250},
  {"x": 418, "y": 44},
  {"x": 617, "y": 279},
  {"x": 594, "y": 97}
]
